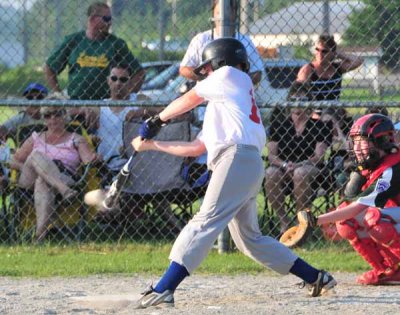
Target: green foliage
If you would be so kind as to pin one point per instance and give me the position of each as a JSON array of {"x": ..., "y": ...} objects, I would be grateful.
[{"x": 377, "y": 24}]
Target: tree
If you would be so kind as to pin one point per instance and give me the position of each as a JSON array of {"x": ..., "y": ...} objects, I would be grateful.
[{"x": 377, "y": 24}]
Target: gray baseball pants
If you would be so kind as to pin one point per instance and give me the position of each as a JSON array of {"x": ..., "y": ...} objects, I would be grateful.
[{"x": 231, "y": 200}]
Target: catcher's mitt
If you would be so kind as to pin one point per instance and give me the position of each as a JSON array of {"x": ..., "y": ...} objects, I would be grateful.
[{"x": 297, "y": 235}]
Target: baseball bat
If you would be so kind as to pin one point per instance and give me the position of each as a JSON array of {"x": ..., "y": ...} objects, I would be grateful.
[{"x": 115, "y": 190}]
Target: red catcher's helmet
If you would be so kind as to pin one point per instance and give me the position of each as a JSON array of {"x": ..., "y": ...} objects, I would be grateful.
[{"x": 379, "y": 130}]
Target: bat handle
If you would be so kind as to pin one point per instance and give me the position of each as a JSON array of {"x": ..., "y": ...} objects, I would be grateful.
[{"x": 115, "y": 189}]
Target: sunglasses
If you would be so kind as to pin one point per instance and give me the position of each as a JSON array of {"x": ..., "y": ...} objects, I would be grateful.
[
  {"x": 35, "y": 97},
  {"x": 56, "y": 114},
  {"x": 105, "y": 18},
  {"x": 322, "y": 51},
  {"x": 114, "y": 78}
]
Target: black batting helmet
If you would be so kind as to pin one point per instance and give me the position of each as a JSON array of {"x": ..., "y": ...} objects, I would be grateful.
[{"x": 223, "y": 52}]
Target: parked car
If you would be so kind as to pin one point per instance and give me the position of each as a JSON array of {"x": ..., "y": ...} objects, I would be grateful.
[
  {"x": 160, "y": 81},
  {"x": 280, "y": 73},
  {"x": 154, "y": 68}
]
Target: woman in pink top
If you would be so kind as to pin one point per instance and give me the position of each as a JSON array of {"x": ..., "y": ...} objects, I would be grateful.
[{"x": 47, "y": 162}]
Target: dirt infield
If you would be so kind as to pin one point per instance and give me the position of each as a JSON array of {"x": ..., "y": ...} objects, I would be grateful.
[{"x": 244, "y": 294}]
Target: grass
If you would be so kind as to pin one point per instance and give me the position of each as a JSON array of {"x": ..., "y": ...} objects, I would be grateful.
[{"x": 131, "y": 258}]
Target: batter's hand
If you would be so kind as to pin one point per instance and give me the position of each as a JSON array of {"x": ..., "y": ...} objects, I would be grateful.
[
  {"x": 151, "y": 127},
  {"x": 141, "y": 145}
]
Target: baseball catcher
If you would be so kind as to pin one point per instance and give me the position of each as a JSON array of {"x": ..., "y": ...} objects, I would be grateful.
[{"x": 370, "y": 217}]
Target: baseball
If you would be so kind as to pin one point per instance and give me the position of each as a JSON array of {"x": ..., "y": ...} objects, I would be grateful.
[{"x": 95, "y": 198}]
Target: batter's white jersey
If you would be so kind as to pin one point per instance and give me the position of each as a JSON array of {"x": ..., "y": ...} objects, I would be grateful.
[
  {"x": 231, "y": 116},
  {"x": 193, "y": 54}
]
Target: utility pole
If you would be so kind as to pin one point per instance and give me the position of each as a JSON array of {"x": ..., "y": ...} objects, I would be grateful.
[
  {"x": 25, "y": 35},
  {"x": 245, "y": 16},
  {"x": 326, "y": 19}
]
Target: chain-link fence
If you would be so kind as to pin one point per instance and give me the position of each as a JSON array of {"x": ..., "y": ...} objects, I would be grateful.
[{"x": 63, "y": 51}]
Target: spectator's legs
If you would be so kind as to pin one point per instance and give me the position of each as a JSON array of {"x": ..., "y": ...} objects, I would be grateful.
[
  {"x": 303, "y": 178},
  {"x": 274, "y": 189},
  {"x": 44, "y": 197},
  {"x": 163, "y": 207},
  {"x": 38, "y": 164}
]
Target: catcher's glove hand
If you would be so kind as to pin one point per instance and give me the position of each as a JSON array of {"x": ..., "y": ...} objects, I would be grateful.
[{"x": 296, "y": 235}]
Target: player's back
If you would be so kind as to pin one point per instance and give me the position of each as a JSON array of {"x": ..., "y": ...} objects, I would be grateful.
[{"x": 232, "y": 116}]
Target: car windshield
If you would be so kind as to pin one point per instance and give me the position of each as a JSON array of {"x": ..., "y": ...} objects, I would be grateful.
[{"x": 161, "y": 80}]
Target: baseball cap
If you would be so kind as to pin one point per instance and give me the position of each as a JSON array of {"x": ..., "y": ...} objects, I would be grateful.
[{"x": 35, "y": 87}]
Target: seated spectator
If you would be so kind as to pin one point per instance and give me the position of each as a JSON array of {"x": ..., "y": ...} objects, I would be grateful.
[
  {"x": 377, "y": 110},
  {"x": 339, "y": 122},
  {"x": 107, "y": 121},
  {"x": 296, "y": 149},
  {"x": 31, "y": 115},
  {"x": 48, "y": 162}
]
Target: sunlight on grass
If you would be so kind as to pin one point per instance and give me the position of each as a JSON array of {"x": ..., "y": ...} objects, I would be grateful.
[{"x": 89, "y": 259}]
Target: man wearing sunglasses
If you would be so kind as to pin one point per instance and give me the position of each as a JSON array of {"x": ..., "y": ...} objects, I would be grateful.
[
  {"x": 324, "y": 73},
  {"x": 31, "y": 115},
  {"x": 88, "y": 55}
]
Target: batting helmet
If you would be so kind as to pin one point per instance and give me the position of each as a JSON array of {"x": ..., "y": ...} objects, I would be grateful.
[
  {"x": 379, "y": 130},
  {"x": 223, "y": 52}
]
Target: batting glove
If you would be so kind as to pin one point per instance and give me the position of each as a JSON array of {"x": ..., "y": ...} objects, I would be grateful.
[{"x": 150, "y": 127}]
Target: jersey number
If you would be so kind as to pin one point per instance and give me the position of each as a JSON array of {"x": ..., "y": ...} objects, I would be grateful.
[{"x": 254, "y": 114}]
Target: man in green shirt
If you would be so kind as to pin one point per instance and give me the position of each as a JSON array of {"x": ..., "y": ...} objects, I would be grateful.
[{"x": 88, "y": 55}]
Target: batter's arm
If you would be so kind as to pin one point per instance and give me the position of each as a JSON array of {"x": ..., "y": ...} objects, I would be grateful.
[
  {"x": 179, "y": 148},
  {"x": 181, "y": 105}
]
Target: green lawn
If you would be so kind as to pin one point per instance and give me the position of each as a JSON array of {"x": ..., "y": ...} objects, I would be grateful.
[{"x": 89, "y": 259}]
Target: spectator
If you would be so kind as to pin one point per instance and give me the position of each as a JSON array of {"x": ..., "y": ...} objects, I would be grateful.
[
  {"x": 296, "y": 149},
  {"x": 48, "y": 162},
  {"x": 88, "y": 55},
  {"x": 109, "y": 120},
  {"x": 340, "y": 164},
  {"x": 325, "y": 72},
  {"x": 31, "y": 115},
  {"x": 377, "y": 110},
  {"x": 192, "y": 58}
]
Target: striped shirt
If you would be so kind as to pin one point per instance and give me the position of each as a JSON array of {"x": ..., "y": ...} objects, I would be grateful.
[{"x": 326, "y": 89}]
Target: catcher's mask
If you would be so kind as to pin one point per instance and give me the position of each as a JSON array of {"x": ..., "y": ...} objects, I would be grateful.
[
  {"x": 223, "y": 52},
  {"x": 378, "y": 132}
]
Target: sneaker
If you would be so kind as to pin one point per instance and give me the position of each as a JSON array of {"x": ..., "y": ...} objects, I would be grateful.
[
  {"x": 152, "y": 298},
  {"x": 324, "y": 283}
]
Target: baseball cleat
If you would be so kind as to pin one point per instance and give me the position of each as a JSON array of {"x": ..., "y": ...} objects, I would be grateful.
[
  {"x": 324, "y": 283},
  {"x": 152, "y": 298}
]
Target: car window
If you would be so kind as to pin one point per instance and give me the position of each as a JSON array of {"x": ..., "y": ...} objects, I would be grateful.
[
  {"x": 282, "y": 77},
  {"x": 153, "y": 70}
]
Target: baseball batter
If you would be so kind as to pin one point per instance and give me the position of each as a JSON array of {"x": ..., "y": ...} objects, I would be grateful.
[{"x": 233, "y": 136}]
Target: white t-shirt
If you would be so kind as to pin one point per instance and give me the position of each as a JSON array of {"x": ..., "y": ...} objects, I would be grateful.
[
  {"x": 193, "y": 54},
  {"x": 110, "y": 133},
  {"x": 231, "y": 116}
]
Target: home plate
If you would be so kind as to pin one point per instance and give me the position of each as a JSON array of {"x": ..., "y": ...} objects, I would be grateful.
[{"x": 105, "y": 301}]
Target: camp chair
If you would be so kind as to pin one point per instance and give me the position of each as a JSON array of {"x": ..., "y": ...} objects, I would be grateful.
[
  {"x": 71, "y": 216},
  {"x": 157, "y": 199}
]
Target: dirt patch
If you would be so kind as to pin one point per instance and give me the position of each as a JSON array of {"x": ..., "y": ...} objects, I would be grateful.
[{"x": 243, "y": 294}]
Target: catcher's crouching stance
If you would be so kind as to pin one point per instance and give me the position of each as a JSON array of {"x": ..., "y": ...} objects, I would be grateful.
[{"x": 370, "y": 219}]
